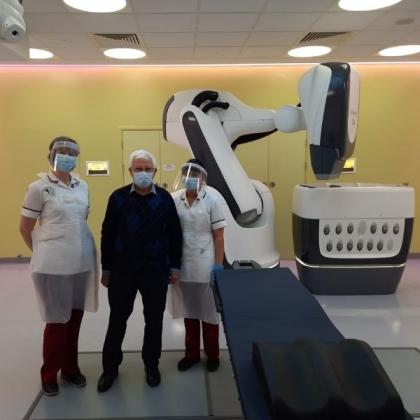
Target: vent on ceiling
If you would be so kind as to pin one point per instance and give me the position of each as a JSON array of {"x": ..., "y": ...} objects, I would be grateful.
[
  {"x": 312, "y": 36},
  {"x": 117, "y": 39}
]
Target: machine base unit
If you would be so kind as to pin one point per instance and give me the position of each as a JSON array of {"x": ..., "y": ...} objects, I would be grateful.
[
  {"x": 350, "y": 280},
  {"x": 352, "y": 238},
  {"x": 316, "y": 380}
]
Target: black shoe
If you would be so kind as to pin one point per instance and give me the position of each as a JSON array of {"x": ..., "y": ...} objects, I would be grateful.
[
  {"x": 105, "y": 381},
  {"x": 153, "y": 377},
  {"x": 184, "y": 364},
  {"x": 213, "y": 365},
  {"x": 75, "y": 379},
  {"x": 50, "y": 389}
]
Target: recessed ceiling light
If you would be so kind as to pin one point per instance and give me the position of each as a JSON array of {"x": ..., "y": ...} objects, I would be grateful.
[
  {"x": 364, "y": 5},
  {"x": 125, "y": 53},
  {"x": 37, "y": 54},
  {"x": 400, "y": 50},
  {"x": 311, "y": 51},
  {"x": 97, "y": 6}
]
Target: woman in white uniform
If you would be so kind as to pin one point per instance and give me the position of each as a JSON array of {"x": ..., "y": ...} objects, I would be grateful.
[
  {"x": 202, "y": 220},
  {"x": 63, "y": 261}
]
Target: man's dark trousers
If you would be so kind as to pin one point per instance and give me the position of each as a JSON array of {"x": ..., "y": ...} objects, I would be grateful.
[{"x": 122, "y": 291}]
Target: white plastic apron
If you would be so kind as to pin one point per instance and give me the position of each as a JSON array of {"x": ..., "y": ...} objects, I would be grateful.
[
  {"x": 64, "y": 267},
  {"x": 192, "y": 296}
]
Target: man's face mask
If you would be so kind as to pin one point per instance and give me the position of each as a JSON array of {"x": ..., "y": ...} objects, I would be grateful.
[
  {"x": 64, "y": 163},
  {"x": 143, "y": 179}
]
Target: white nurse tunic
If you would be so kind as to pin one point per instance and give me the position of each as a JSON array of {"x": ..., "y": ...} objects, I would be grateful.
[
  {"x": 192, "y": 296},
  {"x": 64, "y": 264}
]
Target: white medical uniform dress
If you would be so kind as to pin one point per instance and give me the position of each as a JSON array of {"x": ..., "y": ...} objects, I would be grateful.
[
  {"x": 191, "y": 296},
  {"x": 64, "y": 265}
]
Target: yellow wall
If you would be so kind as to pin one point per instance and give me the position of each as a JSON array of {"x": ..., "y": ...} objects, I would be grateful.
[{"x": 92, "y": 104}]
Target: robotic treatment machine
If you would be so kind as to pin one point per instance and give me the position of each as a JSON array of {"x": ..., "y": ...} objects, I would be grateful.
[{"x": 213, "y": 123}]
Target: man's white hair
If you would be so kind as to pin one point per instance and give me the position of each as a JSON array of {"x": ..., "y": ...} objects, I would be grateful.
[{"x": 141, "y": 154}]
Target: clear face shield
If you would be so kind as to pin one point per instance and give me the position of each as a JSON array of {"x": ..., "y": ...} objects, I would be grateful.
[
  {"x": 63, "y": 155},
  {"x": 193, "y": 177}
]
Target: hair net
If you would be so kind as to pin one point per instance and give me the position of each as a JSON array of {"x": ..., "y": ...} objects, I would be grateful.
[{"x": 141, "y": 154}]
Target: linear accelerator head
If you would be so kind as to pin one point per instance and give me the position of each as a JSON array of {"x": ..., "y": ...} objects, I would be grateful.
[{"x": 329, "y": 95}]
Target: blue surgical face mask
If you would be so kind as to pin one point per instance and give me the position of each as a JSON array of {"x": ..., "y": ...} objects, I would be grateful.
[
  {"x": 143, "y": 179},
  {"x": 191, "y": 184},
  {"x": 64, "y": 163}
]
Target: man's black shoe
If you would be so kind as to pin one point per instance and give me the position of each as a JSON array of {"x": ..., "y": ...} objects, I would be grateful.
[
  {"x": 105, "y": 381},
  {"x": 185, "y": 364},
  {"x": 50, "y": 389},
  {"x": 76, "y": 379},
  {"x": 213, "y": 365},
  {"x": 153, "y": 377}
]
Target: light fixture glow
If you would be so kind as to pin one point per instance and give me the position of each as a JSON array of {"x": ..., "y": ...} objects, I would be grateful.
[
  {"x": 365, "y": 5},
  {"x": 37, "y": 54},
  {"x": 311, "y": 51},
  {"x": 125, "y": 53},
  {"x": 97, "y": 6},
  {"x": 400, "y": 50}
]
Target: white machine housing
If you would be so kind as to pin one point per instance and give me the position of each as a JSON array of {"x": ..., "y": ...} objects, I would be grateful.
[
  {"x": 352, "y": 238},
  {"x": 12, "y": 25}
]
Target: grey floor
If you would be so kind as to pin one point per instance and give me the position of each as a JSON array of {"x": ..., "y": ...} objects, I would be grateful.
[{"x": 382, "y": 321}]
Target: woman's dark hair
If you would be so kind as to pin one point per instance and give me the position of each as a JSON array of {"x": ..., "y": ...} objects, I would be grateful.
[
  {"x": 197, "y": 162},
  {"x": 61, "y": 138}
]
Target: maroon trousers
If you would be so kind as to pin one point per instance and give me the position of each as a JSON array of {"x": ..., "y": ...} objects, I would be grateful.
[
  {"x": 192, "y": 339},
  {"x": 61, "y": 347}
]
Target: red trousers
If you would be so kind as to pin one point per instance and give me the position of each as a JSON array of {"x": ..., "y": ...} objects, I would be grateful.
[
  {"x": 192, "y": 339},
  {"x": 60, "y": 348}
]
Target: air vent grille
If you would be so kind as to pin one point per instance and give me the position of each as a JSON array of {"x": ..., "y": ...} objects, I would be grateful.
[
  {"x": 312, "y": 36},
  {"x": 127, "y": 39}
]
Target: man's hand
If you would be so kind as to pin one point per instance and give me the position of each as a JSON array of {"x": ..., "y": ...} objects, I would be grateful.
[
  {"x": 173, "y": 278},
  {"x": 105, "y": 279}
]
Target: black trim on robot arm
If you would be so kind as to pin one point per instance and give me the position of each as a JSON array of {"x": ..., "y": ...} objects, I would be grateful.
[
  {"x": 165, "y": 113},
  {"x": 246, "y": 138},
  {"x": 201, "y": 150},
  {"x": 205, "y": 95},
  {"x": 211, "y": 105}
]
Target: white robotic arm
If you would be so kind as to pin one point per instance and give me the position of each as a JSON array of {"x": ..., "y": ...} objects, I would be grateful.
[{"x": 213, "y": 123}]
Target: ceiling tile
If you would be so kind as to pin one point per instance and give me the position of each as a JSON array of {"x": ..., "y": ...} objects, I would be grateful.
[
  {"x": 226, "y": 22},
  {"x": 368, "y": 51},
  {"x": 164, "y": 6},
  {"x": 52, "y": 40},
  {"x": 220, "y": 39},
  {"x": 286, "y": 21},
  {"x": 167, "y": 22},
  {"x": 172, "y": 53},
  {"x": 78, "y": 53},
  {"x": 44, "y": 6},
  {"x": 300, "y": 6},
  {"x": 349, "y": 21},
  {"x": 233, "y": 6},
  {"x": 217, "y": 52},
  {"x": 374, "y": 37},
  {"x": 387, "y": 20},
  {"x": 274, "y": 38},
  {"x": 411, "y": 38},
  {"x": 51, "y": 22},
  {"x": 177, "y": 39},
  {"x": 264, "y": 52},
  {"x": 107, "y": 22}
]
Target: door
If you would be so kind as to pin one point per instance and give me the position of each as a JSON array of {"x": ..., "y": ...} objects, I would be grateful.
[{"x": 169, "y": 156}]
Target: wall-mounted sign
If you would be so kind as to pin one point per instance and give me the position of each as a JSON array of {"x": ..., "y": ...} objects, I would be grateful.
[
  {"x": 350, "y": 166},
  {"x": 97, "y": 168},
  {"x": 168, "y": 167}
]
